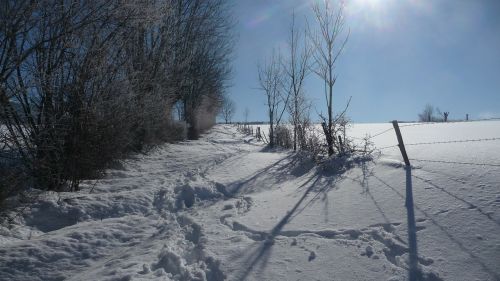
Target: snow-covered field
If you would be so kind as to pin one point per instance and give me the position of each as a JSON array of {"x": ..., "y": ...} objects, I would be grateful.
[{"x": 273, "y": 215}]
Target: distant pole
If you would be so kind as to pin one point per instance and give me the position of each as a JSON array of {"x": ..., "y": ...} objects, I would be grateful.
[{"x": 401, "y": 143}]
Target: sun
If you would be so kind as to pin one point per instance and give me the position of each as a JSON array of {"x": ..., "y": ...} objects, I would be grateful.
[{"x": 371, "y": 13}]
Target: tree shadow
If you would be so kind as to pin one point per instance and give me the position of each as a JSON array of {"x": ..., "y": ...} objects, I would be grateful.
[
  {"x": 294, "y": 165},
  {"x": 366, "y": 173},
  {"x": 329, "y": 181},
  {"x": 320, "y": 183},
  {"x": 235, "y": 188},
  {"x": 451, "y": 237},
  {"x": 263, "y": 251},
  {"x": 299, "y": 165}
]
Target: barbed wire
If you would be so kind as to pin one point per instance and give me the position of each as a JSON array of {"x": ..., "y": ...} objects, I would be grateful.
[
  {"x": 386, "y": 147},
  {"x": 421, "y": 124},
  {"x": 440, "y": 142},
  {"x": 381, "y": 133},
  {"x": 429, "y": 123},
  {"x": 486, "y": 119},
  {"x": 455, "y": 162},
  {"x": 453, "y": 141},
  {"x": 447, "y": 122},
  {"x": 446, "y": 142}
]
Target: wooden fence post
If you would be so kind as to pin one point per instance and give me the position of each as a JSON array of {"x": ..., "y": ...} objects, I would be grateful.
[{"x": 401, "y": 144}]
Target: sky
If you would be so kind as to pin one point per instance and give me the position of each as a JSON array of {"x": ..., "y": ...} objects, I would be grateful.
[{"x": 400, "y": 56}]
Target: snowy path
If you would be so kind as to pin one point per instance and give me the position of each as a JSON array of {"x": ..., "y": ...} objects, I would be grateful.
[
  {"x": 259, "y": 215},
  {"x": 128, "y": 227}
]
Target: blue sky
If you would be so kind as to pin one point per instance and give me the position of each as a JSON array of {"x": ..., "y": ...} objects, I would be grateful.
[{"x": 401, "y": 55}]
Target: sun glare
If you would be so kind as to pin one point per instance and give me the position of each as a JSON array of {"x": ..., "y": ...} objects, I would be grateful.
[
  {"x": 371, "y": 13},
  {"x": 371, "y": 4}
]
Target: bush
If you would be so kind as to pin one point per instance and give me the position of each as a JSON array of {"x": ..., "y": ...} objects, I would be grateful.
[
  {"x": 84, "y": 87},
  {"x": 312, "y": 142},
  {"x": 283, "y": 136},
  {"x": 13, "y": 178}
]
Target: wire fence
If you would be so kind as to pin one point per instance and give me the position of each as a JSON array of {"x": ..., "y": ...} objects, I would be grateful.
[
  {"x": 412, "y": 124},
  {"x": 387, "y": 147},
  {"x": 452, "y": 141},
  {"x": 409, "y": 202},
  {"x": 442, "y": 142},
  {"x": 447, "y": 122},
  {"x": 381, "y": 133},
  {"x": 455, "y": 162}
]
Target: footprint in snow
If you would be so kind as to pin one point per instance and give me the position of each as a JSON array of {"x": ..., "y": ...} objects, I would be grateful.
[{"x": 312, "y": 256}]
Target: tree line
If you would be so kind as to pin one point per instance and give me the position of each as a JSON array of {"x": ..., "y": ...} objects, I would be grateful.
[
  {"x": 85, "y": 82},
  {"x": 433, "y": 114}
]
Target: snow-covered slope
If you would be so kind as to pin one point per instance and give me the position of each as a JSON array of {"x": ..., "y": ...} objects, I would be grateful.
[{"x": 273, "y": 215}]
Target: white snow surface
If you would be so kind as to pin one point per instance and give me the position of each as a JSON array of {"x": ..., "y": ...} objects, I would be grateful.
[{"x": 226, "y": 208}]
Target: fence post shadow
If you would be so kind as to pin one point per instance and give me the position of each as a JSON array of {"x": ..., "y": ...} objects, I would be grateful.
[
  {"x": 412, "y": 230},
  {"x": 413, "y": 272}
]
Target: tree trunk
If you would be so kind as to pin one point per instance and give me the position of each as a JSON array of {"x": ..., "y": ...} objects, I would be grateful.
[
  {"x": 271, "y": 130},
  {"x": 296, "y": 121}
]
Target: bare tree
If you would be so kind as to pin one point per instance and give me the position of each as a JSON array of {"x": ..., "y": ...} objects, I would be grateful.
[
  {"x": 48, "y": 97},
  {"x": 246, "y": 113},
  {"x": 227, "y": 110},
  {"x": 84, "y": 82},
  {"x": 304, "y": 126},
  {"x": 270, "y": 81},
  {"x": 296, "y": 67},
  {"x": 427, "y": 114},
  {"x": 328, "y": 46},
  {"x": 202, "y": 49}
]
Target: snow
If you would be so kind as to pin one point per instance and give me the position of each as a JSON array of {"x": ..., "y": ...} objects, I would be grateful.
[{"x": 225, "y": 208}]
